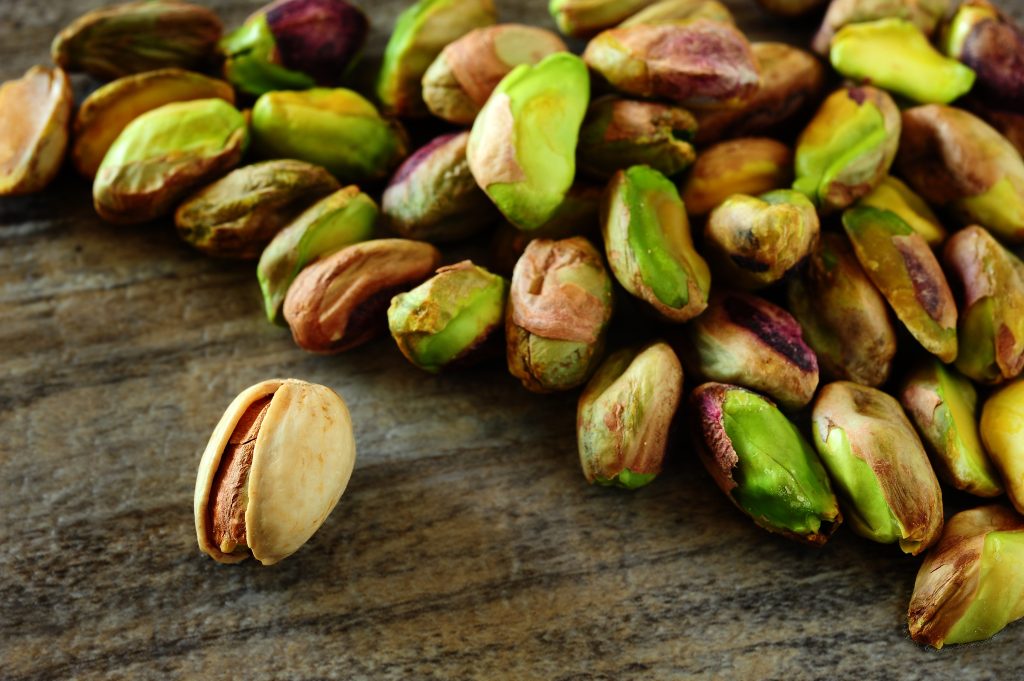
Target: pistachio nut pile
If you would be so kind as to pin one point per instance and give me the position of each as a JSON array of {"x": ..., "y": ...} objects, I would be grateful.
[{"x": 832, "y": 259}]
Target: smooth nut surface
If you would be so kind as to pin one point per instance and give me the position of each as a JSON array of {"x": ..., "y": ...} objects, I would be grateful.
[{"x": 34, "y": 114}]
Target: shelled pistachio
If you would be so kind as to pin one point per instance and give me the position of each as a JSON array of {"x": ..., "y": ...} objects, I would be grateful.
[
  {"x": 894, "y": 195},
  {"x": 1002, "y": 433},
  {"x": 925, "y": 14},
  {"x": 748, "y": 165},
  {"x": 34, "y": 114},
  {"x": 991, "y": 44},
  {"x": 665, "y": 11}
]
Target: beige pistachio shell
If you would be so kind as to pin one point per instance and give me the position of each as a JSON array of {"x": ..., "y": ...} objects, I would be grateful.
[{"x": 34, "y": 114}]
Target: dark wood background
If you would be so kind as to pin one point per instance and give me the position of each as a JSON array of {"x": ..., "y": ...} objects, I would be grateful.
[{"x": 468, "y": 545}]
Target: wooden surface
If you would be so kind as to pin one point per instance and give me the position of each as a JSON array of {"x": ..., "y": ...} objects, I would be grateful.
[{"x": 467, "y": 546}]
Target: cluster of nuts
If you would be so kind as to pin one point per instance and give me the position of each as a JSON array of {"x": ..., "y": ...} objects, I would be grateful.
[{"x": 811, "y": 249}]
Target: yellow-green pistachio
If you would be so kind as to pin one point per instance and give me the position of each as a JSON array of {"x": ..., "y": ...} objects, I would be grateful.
[
  {"x": 34, "y": 115},
  {"x": 164, "y": 154},
  {"x": 238, "y": 215},
  {"x": 134, "y": 37},
  {"x": 466, "y": 72},
  {"x": 843, "y": 316},
  {"x": 763, "y": 464},
  {"x": 433, "y": 195},
  {"x": 420, "y": 33},
  {"x": 954, "y": 159},
  {"x": 925, "y": 14},
  {"x": 341, "y": 301},
  {"x": 749, "y": 165},
  {"x": 1002, "y": 433},
  {"x": 990, "y": 43},
  {"x": 334, "y": 128},
  {"x": 649, "y": 246},
  {"x": 667, "y": 11},
  {"x": 274, "y": 469},
  {"x": 699, "y": 63},
  {"x": 341, "y": 219},
  {"x": 560, "y": 304},
  {"x": 791, "y": 8},
  {"x": 848, "y": 147},
  {"x": 970, "y": 585},
  {"x": 522, "y": 148},
  {"x": 584, "y": 18},
  {"x": 894, "y": 195},
  {"x": 991, "y": 327},
  {"x": 942, "y": 403},
  {"x": 625, "y": 413},
  {"x": 887, "y": 488}
]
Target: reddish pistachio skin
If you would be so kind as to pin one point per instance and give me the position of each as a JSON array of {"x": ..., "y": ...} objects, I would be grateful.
[
  {"x": 317, "y": 37},
  {"x": 994, "y": 48}
]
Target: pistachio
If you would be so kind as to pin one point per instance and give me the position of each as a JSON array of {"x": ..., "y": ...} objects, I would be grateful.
[
  {"x": 584, "y": 18},
  {"x": 680, "y": 10},
  {"x": 466, "y": 72},
  {"x": 1010, "y": 124},
  {"x": 880, "y": 470},
  {"x": 750, "y": 165},
  {"x": 969, "y": 586},
  {"x": 991, "y": 44},
  {"x": 649, "y": 246},
  {"x": 236, "y": 216},
  {"x": 763, "y": 464},
  {"x": 843, "y": 316},
  {"x": 522, "y": 149},
  {"x": 624, "y": 415},
  {"x": 902, "y": 266},
  {"x": 34, "y": 114},
  {"x": 925, "y": 14},
  {"x": 138, "y": 36},
  {"x": 791, "y": 8},
  {"x": 559, "y": 308},
  {"x": 274, "y": 469},
  {"x": 165, "y": 153},
  {"x": 893, "y": 195},
  {"x": 1002, "y": 433},
  {"x": 334, "y": 128},
  {"x": 943, "y": 405},
  {"x": 341, "y": 301}
]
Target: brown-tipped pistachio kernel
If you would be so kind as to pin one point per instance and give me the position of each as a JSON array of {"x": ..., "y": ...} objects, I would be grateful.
[
  {"x": 954, "y": 159},
  {"x": 274, "y": 469},
  {"x": 138, "y": 36},
  {"x": 559, "y": 307},
  {"x": 991, "y": 328},
  {"x": 843, "y": 316},
  {"x": 893, "y": 195},
  {"x": 763, "y": 464},
  {"x": 899, "y": 262},
  {"x": 791, "y": 8},
  {"x": 700, "y": 63},
  {"x": 164, "y": 154},
  {"x": 624, "y": 415},
  {"x": 667, "y": 11},
  {"x": 970, "y": 585},
  {"x": 1002, "y": 433},
  {"x": 341, "y": 301},
  {"x": 757, "y": 240},
  {"x": 848, "y": 147},
  {"x": 746, "y": 340},
  {"x": 988, "y": 41},
  {"x": 34, "y": 114},
  {"x": 649, "y": 246},
  {"x": 925, "y": 14},
  {"x": 750, "y": 165},
  {"x": 880, "y": 470},
  {"x": 236, "y": 216},
  {"x": 466, "y": 72},
  {"x": 584, "y": 18},
  {"x": 943, "y": 406},
  {"x": 433, "y": 195}
]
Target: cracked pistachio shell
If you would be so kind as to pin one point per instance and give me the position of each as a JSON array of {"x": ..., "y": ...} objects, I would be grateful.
[
  {"x": 925, "y": 14},
  {"x": 338, "y": 220},
  {"x": 954, "y": 159},
  {"x": 466, "y": 72},
  {"x": 893, "y": 195},
  {"x": 667, "y": 11},
  {"x": 560, "y": 304},
  {"x": 887, "y": 488},
  {"x": 420, "y": 34},
  {"x": 750, "y": 165},
  {"x": 584, "y": 18},
  {"x": 433, "y": 195},
  {"x": 34, "y": 115},
  {"x": 522, "y": 148},
  {"x": 1002, "y": 433},
  {"x": 649, "y": 246},
  {"x": 971, "y": 584},
  {"x": 164, "y": 154},
  {"x": 745, "y": 340},
  {"x": 848, "y": 147},
  {"x": 943, "y": 405},
  {"x": 763, "y": 464},
  {"x": 991, "y": 44},
  {"x": 757, "y": 240},
  {"x": 625, "y": 413},
  {"x": 901, "y": 265},
  {"x": 445, "y": 319},
  {"x": 274, "y": 469},
  {"x": 341, "y": 301},
  {"x": 700, "y": 63},
  {"x": 844, "y": 318},
  {"x": 618, "y": 133},
  {"x": 133, "y": 37},
  {"x": 991, "y": 326}
]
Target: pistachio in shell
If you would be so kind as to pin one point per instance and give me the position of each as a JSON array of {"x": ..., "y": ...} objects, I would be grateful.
[
  {"x": 992, "y": 44},
  {"x": 667, "y": 11},
  {"x": 894, "y": 195},
  {"x": 925, "y": 14},
  {"x": 1002, "y": 434},
  {"x": 749, "y": 165},
  {"x": 34, "y": 115}
]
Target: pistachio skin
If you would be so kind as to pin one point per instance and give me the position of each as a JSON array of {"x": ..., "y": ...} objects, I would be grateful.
[
  {"x": 763, "y": 464},
  {"x": 991, "y": 44},
  {"x": 894, "y": 195},
  {"x": 584, "y": 18},
  {"x": 34, "y": 115},
  {"x": 1010, "y": 124},
  {"x": 749, "y": 165},
  {"x": 925, "y": 14},
  {"x": 667, "y": 11},
  {"x": 1002, "y": 433}
]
